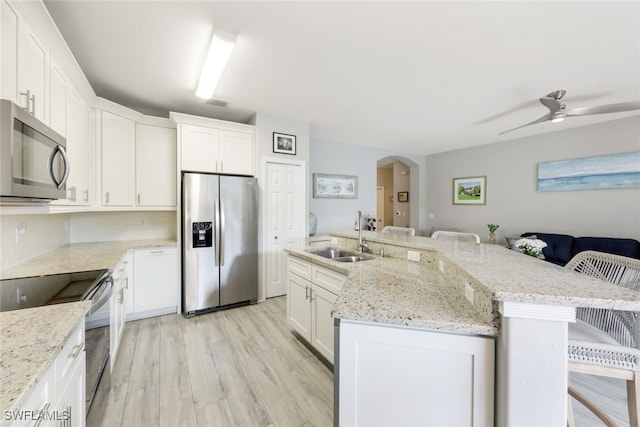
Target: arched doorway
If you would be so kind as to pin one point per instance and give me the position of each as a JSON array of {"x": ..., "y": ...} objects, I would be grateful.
[{"x": 397, "y": 192}]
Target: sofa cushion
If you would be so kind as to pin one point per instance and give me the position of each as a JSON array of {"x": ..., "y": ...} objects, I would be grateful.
[
  {"x": 559, "y": 246},
  {"x": 625, "y": 247}
]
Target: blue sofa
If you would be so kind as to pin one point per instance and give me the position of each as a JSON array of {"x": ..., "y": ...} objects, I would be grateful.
[{"x": 562, "y": 247}]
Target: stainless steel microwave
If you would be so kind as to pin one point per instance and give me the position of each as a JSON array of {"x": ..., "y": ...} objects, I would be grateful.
[{"x": 33, "y": 161}]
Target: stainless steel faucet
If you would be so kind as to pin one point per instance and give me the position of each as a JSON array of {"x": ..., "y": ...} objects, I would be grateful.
[{"x": 362, "y": 245}]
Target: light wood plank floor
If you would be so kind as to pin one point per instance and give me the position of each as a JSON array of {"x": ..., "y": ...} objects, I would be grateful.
[{"x": 243, "y": 367}]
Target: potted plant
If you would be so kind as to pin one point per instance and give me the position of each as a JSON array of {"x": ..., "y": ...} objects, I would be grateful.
[{"x": 492, "y": 232}]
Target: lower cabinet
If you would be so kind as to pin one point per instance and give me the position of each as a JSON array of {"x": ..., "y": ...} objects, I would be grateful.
[
  {"x": 311, "y": 292},
  {"x": 59, "y": 397},
  {"x": 119, "y": 305},
  {"x": 393, "y": 375},
  {"x": 155, "y": 282}
]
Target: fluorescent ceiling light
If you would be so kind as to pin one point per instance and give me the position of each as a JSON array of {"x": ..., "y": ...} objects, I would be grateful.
[{"x": 222, "y": 44}]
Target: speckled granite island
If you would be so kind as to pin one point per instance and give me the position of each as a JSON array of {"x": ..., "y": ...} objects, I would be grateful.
[{"x": 464, "y": 296}]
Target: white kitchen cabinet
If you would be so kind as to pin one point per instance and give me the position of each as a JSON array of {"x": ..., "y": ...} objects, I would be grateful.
[
  {"x": 9, "y": 50},
  {"x": 200, "y": 147},
  {"x": 119, "y": 305},
  {"x": 155, "y": 166},
  {"x": 80, "y": 151},
  {"x": 32, "y": 73},
  {"x": 390, "y": 375},
  {"x": 57, "y": 100},
  {"x": 155, "y": 282},
  {"x": 207, "y": 149},
  {"x": 311, "y": 292},
  {"x": 237, "y": 153},
  {"x": 117, "y": 159},
  {"x": 60, "y": 392}
]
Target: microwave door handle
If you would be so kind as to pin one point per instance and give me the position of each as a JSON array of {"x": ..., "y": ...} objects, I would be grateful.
[{"x": 65, "y": 160}]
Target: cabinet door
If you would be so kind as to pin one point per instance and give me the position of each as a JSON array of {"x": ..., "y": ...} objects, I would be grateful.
[
  {"x": 322, "y": 329},
  {"x": 32, "y": 72},
  {"x": 199, "y": 148},
  {"x": 237, "y": 153},
  {"x": 9, "y": 49},
  {"x": 155, "y": 281},
  {"x": 117, "y": 159},
  {"x": 155, "y": 166},
  {"x": 57, "y": 100},
  {"x": 298, "y": 305},
  {"x": 118, "y": 307},
  {"x": 72, "y": 399}
]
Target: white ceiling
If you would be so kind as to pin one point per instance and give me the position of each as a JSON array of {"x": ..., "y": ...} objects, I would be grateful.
[{"x": 418, "y": 77}]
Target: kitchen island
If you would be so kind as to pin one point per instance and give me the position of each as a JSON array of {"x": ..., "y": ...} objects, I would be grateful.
[{"x": 521, "y": 305}]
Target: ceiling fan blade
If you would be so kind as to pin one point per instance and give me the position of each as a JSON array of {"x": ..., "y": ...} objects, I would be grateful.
[
  {"x": 544, "y": 118},
  {"x": 604, "y": 109}
]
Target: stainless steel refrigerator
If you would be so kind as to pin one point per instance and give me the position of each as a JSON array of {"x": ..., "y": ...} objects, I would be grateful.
[{"x": 219, "y": 242}]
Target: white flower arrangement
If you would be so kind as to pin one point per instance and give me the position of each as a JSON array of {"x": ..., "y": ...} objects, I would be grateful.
[{"x": 531, "y": 247}]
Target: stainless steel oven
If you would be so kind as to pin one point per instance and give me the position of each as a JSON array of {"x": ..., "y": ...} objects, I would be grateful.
[
  {"x": 33, "y": 161},
  {"x": 95, "y": 286}
]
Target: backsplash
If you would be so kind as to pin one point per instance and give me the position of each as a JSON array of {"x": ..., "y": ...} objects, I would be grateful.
[
  {"x": 25, "y": 236},
  {"x": 126, "y": 225}
]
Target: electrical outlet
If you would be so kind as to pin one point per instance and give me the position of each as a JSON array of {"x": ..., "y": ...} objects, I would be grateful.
[
  {"x": 431, "y": 216},
  {"x": 441, "y": 266},
  {"x": 143, "y": 222},
  {"x": 468, "y": 292},
  {"x": 334, "y": 240},
  {"x": 413, "y": 256},
  {"x": 20, "y": 231}
]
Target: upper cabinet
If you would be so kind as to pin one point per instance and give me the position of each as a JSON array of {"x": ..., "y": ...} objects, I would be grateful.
[
  {"x": 137, "y": 159},
  {"x": 117, "y": 151},
  {"x": 209, "y": 145},
  {"x": 9, "y": 49},
  {"x": 155, "y": 166},
  {"x": 32, "y": 73}
]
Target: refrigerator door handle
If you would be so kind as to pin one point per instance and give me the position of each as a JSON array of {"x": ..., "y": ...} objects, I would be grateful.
[
  {"x": 216, "y": 233},
  {"x": 222, "y": 225}
]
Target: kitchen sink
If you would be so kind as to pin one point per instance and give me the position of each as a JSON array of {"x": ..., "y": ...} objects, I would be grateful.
[{"x": 338, "y": 255}]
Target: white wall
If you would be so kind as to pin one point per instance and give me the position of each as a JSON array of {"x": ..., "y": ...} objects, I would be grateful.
[
  {"x": 512, "y": 197},
  {"x": 339, "y": 158}
]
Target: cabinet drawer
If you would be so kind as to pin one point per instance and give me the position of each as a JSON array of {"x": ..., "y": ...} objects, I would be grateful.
[
  {"x": 72, "y": 351},
  {"x": 329, "y": 280},
  {"x": 299, "y": 267}
]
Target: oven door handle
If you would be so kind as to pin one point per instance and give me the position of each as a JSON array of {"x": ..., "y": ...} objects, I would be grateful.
[{"x": 105, "y": 288}]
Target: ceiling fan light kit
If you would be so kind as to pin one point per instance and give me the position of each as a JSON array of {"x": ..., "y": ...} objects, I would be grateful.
[{"x": 558, "y": 111}]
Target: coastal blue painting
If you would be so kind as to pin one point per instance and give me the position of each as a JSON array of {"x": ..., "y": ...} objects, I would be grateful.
[{"x": 591, "y": 173}]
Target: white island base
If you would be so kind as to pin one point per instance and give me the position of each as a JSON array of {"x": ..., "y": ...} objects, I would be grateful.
[{"x": 411, "y": 377}]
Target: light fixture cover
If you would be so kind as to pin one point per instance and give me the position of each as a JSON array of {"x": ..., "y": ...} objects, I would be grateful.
[{"x": 222, "y": 44}]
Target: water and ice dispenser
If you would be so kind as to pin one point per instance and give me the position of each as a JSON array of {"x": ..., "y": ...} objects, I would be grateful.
[{"x": 202, "y": 233}]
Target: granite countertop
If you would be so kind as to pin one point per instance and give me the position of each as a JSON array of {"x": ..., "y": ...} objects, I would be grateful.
[
  {"x": 510, "y": 276},
  {"x": 79, "y": 257},
  {"x": 30, "y": 341},
  {"x": 398, "y": 292}
]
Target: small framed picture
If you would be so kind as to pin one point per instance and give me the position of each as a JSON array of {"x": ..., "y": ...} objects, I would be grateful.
[
  {"x": 470, "y": 190},
  {"x": 403, "y": 196},
  {"x": 284, "y": 144}
]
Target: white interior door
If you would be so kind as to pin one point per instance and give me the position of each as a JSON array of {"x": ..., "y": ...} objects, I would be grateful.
[{"x": 285, "y": 221}]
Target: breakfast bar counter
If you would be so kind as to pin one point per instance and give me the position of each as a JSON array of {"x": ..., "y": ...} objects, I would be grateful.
[{"x": 509, "y": 312}]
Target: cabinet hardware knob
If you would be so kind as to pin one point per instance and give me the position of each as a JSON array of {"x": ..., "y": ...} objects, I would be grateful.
[
  {"x": 45, "y": 408},
  {"x": 76, "y": 350}
]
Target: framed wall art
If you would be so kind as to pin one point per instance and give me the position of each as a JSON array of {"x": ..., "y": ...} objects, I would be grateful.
[
  {"x": 470, "y": 190},
  {"x": 335, "y": 186},
  {"x": 284, "y": 144},
  {"x": 591, "y": 173}
]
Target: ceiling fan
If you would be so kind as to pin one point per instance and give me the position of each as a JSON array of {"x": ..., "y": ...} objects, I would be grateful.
[{"x": 558, "y": 112}]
